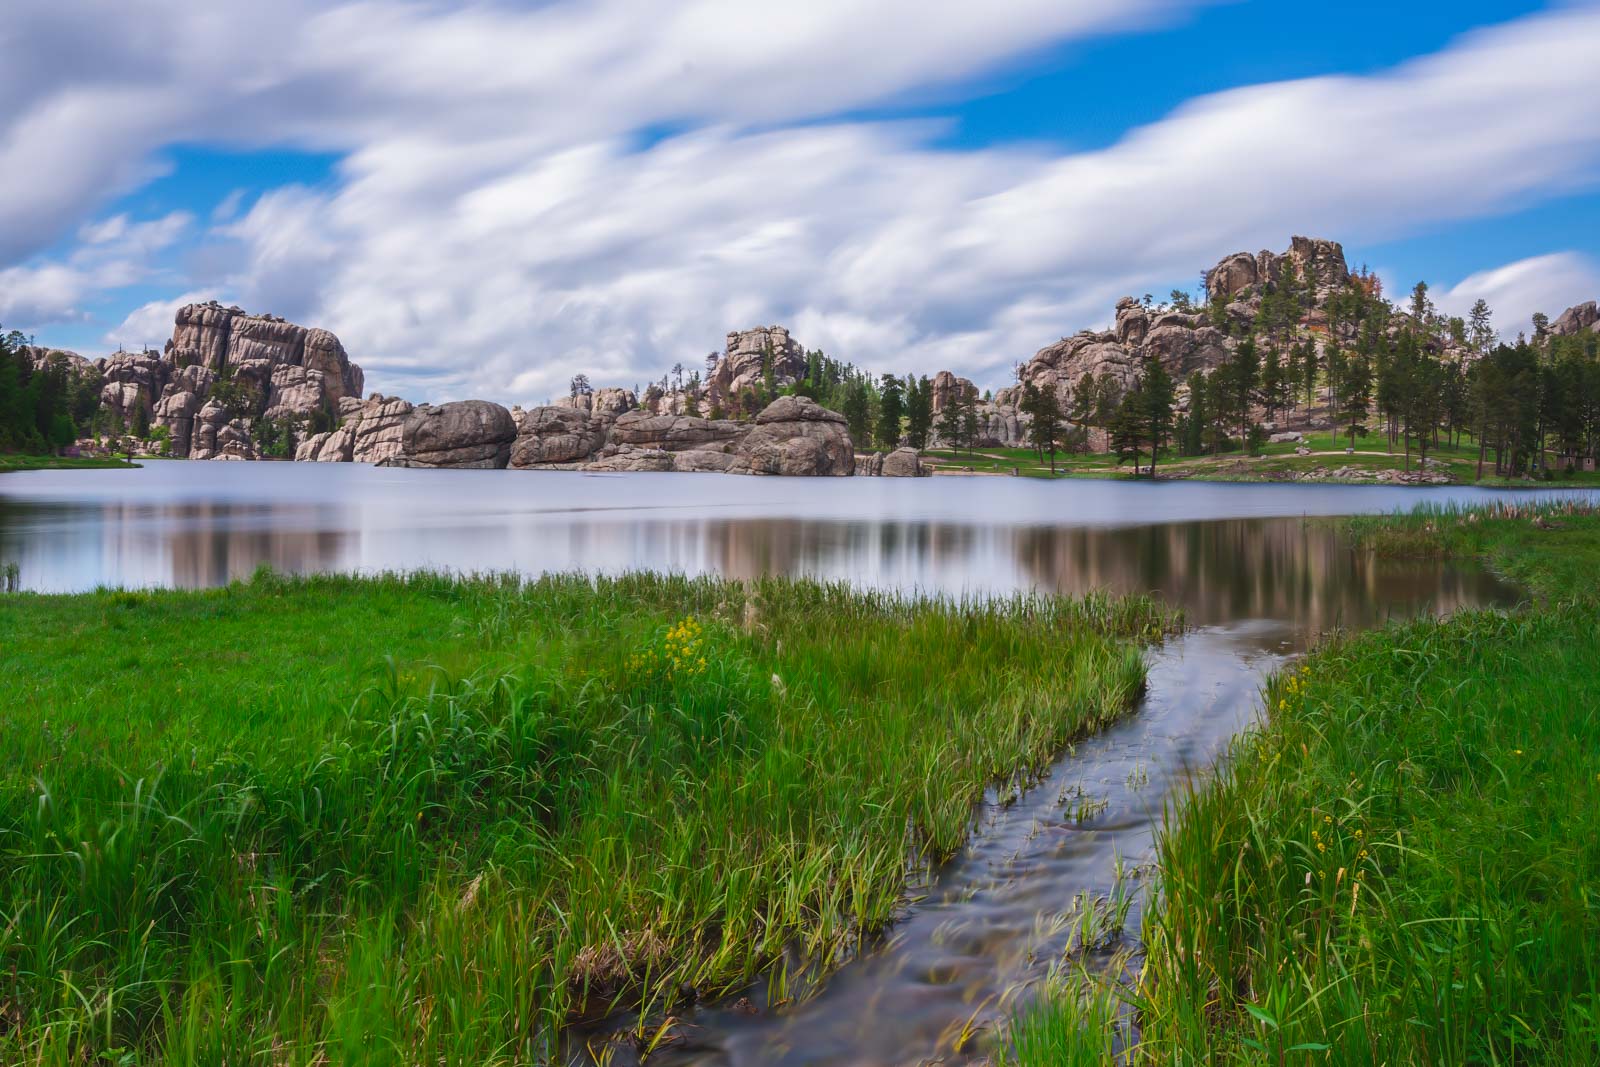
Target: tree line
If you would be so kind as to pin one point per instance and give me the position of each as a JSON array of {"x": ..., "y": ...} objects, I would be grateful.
[{"x": 43, "y": 402}]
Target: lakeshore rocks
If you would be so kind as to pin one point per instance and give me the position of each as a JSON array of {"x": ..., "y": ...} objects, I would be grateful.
[
  {"x": 672, "y": 433},
  {"x": 555, "y": 435},
  {"x": 900, "y": 463},
  {"x": 474, "y": 434},
  {"x": 797, "y": 437}
]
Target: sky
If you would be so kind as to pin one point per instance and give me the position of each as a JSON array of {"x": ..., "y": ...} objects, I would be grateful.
[{"x": 482, "y": 199}]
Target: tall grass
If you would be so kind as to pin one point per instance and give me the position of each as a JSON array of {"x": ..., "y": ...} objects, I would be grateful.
[
  {"x": 624, "y": 791},
  {"x": 1399, "y": 865}
]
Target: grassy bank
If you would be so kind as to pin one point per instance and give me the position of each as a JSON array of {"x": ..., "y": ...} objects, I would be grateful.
[
  {"x": 17, "y": 462},
  {"x": 1276, "y": 463},
  {"x": 421, "y": 820},
  {"x": 1400, "y": 865}
]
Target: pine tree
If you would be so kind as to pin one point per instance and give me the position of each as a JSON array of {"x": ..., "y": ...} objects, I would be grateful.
[
  {"x": 1043, "y": 408},
  {"x": 891, "y": 407},
  {"x": 919, "y": 411}
]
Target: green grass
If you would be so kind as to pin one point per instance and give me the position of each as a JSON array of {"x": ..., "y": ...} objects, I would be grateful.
[
  {"x": 1400, "y": 865},
  {"x": 10, "y": 461},
  {"x": 424, "y": 820},
  {"x": 1277, "y": 463}
]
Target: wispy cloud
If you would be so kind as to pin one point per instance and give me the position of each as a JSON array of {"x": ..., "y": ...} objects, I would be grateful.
[{"x": 495, "y": 226}]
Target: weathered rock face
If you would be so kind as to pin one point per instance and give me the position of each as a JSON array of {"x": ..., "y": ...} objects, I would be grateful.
[
  {"x": 1585, "y": 316},
  {"x": 947, "y": 387},
  {"x": 1232, "y": 276},
  {"x": 1133, "y": 322},
  {"x": 464, "y": 433},
  {"x": 796, "y": 436},
  {"x": 604, "y": 403},
  {"x": 377, "y": 428},
  {"x": 744, "y": 361},
  {"x": 176, "y": 411},
  {"x": 216, "y": 337},
  {"x": 904, "y": 463},
  {"x": 132, "y": 381},
  {"x": 672, "y": 433},
  {"x": 556, "y": 435},
  {"x": 1319, "y": 263}
]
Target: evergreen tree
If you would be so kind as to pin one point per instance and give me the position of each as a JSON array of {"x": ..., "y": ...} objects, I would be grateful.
[
  {"x": 1356, "y": 396},
  {"x": 857, "y": 410},
  {"x": 891, "y": 408},
  {"x": 919, "y": 411},
  {"x": 1480, "y": 332},
  {"x": 1043, "y": 407}
]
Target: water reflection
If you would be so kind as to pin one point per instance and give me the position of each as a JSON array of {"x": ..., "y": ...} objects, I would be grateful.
[{"x": 1289, "y": 569}]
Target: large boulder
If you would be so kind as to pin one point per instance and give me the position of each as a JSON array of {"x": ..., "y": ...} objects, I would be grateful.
[
  {"x": 1231, "y": 276},
  {"x": 555, "y": 435},
  {"x": 796, "y": 436},
  {"x": 903, "y": 463},
  {"x": 672, "y": 433},
  {"x": 465, "y": 433}
]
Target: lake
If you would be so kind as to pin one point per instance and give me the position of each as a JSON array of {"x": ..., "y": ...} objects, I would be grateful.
[{"x": 1223, "y": 551}]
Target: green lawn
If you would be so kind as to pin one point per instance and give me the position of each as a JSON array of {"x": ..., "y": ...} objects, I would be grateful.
[
  {"x": 422, "y": 820},
  {"x": 1401, "y": 865},
  {"x": 11, "y": 461},
  {"x": 1277, "y": 462}
]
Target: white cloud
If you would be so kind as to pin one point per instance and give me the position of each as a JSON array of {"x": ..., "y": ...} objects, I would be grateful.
[
  {"x": 1550, "y": 283},
  {"x": 495, "y": 228},
  {"x": 150, "y": 325},
  {"x": 115, "y": 252}
]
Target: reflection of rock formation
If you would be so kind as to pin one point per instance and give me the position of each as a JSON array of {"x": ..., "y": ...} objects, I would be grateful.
[
  {"x": 1246, "y": 568},
  {"x": 213, "y": 544}
]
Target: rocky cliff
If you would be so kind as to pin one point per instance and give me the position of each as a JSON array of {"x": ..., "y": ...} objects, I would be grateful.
[{"x": 229, "y": 384}]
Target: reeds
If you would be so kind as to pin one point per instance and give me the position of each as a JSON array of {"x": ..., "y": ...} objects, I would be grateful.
[{"x": 603, "y": 792}]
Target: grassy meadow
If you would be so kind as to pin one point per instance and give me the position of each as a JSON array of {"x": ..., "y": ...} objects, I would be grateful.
[
  {"x": 1276, "y": 463},
  {"x": 1401, "y": 865},
  {"x": 429, "y": 820},
  {"x": 12, "y": 461}
]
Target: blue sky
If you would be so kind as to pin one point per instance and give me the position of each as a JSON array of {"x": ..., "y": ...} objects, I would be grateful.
[{"x": 483, "y": 199}]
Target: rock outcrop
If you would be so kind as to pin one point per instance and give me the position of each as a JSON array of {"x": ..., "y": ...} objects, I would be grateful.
[
  {"x": 474, "y": 434},
  {"x": 796, "y": 436},
  {"x": 900, "y": 463},
  {"x": 1576, "y": 319},
  {"x": 550, "y": 436},
  {"x": 1319, "y": 263},
  {"x": 743, "y": 367}
]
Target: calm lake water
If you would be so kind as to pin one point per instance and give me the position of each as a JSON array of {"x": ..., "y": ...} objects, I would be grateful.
[{"x": 1223, "y": 551}]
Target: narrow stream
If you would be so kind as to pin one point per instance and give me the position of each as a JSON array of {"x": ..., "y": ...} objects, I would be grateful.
[{"x": 991, "y": 920}]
